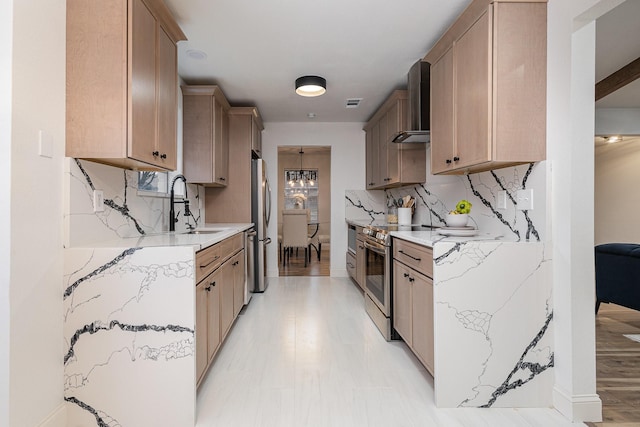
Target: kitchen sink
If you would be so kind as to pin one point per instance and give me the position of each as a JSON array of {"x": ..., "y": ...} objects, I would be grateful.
[{"x": 202, "y": 231}]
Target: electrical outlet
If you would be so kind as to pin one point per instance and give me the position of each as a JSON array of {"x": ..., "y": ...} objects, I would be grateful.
[
  {"x": 525, "y": 200},
  {"x": 98, "y": 200},
  {"x": 502, "y": 199}
]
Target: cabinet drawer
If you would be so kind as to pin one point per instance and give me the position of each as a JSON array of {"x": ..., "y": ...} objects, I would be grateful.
[
  {"x": 234, "y": 244},
  {"x": 418, "y": 257},
  {"x": 351, "y": 265},
  {"x": 208, "y": 259}
]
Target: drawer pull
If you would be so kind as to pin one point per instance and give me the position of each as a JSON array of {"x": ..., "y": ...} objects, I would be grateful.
[
  {"x": 208, "y": 288},
  {"x": 412, "y": 257},
  {"x": 411, "y": 279},
  {"x": 209, "y": 263},
  {"x": 406, "y": 274}
]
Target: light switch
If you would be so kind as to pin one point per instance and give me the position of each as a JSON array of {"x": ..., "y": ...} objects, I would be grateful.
[
  {"x": 525, "y": 200},
  {"x": 98, "y": 200},
  {"x": 45, "y": 144}
]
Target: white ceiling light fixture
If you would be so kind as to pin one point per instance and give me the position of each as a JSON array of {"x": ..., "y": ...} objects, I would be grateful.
[{"x": 311, "y": 86}]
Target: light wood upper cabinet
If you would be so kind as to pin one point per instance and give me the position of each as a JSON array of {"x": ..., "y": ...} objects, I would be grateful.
[
  {"x": 122, "y": 83},
  {"x": 390, "y": 164},
  {"x": 233, "y": 202},
  {"x": 442, "y": 114},
  {"x": 488, "y": 88},
  {"x": 205, "y": 135}
]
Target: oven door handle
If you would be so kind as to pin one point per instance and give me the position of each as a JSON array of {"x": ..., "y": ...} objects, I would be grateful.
[{"x": 375, "y": 249}]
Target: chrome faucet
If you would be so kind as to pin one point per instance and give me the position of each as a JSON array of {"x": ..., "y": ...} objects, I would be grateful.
[{"x": 172, "y": 212}]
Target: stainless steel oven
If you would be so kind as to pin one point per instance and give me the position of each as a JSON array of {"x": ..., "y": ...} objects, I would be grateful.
[{"x": 378, "y": 279}]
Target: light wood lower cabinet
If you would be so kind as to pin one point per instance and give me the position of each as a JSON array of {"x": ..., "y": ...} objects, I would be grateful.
[
  {"x": 413, "y": 302},
  {"x": 219, "y": 297},
  {"x": 360, "y": 259},
  {"x": 238, "y": 263}
]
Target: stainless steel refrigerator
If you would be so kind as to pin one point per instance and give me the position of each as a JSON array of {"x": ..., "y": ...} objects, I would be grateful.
[{"x": 260, "y": 215}]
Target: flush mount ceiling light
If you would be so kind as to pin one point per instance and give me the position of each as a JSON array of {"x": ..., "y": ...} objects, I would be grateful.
[
  {"x": 612, "y": 139},
  {"x": 311, "y": 86}
]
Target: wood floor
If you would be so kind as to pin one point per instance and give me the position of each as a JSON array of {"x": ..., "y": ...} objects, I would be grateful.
[
  {"x": 295, "y": 264},
  {"x": 618, "y": 366}
]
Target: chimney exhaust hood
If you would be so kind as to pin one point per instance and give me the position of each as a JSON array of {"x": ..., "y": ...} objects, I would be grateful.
[{"x": 418, "y": 88}]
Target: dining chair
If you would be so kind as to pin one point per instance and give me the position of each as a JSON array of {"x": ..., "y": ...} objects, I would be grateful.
[{"x": 294, "y": 233}]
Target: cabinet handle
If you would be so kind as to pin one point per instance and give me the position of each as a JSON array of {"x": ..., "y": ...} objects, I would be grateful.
[
  {"x": 163, "y": 156},
  {"x": 448, "y": 161},
  {"x": 209, "y": 263},
  {"x": 360, "y": 247},
  {"x": 387, "y": 179},
  {"x": 155, "y": 153},
  {"x": 411, "y": 279},
  {"x": 222, "y": 178},
  {"x": 406, "y": 274},
  {"x": 412, "y": 257},
  {"x": 455, "y": 159},
  {"x": 236, "y": 263},
  {"x": 211, "y": 285}
]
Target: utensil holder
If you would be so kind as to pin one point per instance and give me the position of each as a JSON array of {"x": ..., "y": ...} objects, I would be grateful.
[{"x": 404, "y": 216}]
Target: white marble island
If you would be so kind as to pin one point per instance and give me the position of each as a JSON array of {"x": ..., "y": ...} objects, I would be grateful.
[
  {"x": 493, "y": 344},
  {"x": 129, "y": 316}
]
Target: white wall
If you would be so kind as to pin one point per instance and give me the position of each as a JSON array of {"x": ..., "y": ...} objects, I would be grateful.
[
  {"x": 35, "y": 260},
  {"x": 6, "y": 38},
  {"x": 617, "y": 199},
  {"x": 347, "y": 172},
  {"x": 570, "y": 130}
]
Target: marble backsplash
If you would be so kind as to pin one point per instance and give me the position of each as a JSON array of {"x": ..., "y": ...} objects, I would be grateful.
[
  {"x": 440, "y": 194},
  {"x": 126, "y": 212}
]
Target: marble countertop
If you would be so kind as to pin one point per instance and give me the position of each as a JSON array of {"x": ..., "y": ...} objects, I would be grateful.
[
  {"x": 431, "y": 237},
  {"x": 210, "y": 234}
]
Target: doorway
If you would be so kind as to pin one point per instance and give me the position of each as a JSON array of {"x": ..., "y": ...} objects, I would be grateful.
[{"x": 304, "y": 182}]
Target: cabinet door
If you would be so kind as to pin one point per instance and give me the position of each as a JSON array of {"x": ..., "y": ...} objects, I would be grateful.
[
  {"x": 197, "y": 137},
  {"x": 238, "y": 263},
  {"x": 201, "y": 329},
  {"x": 360, "y": 260},
  {"x": 402, "y": 302},
  {"x": 383, "y": 177},
  {"x": 393, "y": 118},
  {"x": 226, "y": 297},
  {"x": 442, "y": 114},
  {"x": 167, "y": 101},
  {"x": 221, "y": 144},
  {"x": 472, "y": 95},
  {"x": 422, "y": 319},
  {"x": 256, "y": 137},
  {"x": 372, "y": 157},
  {"x": 142, "y": 63},
  {"x": 212, "y": 286}
]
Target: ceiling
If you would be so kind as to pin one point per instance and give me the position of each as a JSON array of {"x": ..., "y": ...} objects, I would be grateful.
[
  {"x": 256, "y": 49},
  {"x": 617, "y": 44},
  {"x": 364, "y": 48}
]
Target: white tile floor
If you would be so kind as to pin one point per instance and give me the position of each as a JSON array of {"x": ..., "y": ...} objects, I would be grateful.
[{"x": 305, "y": 353}]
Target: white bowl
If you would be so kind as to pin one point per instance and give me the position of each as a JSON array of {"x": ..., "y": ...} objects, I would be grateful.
[{"x": 457, "y": 220}]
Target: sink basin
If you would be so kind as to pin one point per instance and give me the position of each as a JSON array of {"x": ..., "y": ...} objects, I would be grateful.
[{"x": 202, "y": 231}]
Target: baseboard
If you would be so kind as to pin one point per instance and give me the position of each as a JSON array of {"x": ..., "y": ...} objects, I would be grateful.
[
  {"x": 58, "y": 418},
  {"x": 582, "y": 407},
  {"x": 339, "y": 272}
]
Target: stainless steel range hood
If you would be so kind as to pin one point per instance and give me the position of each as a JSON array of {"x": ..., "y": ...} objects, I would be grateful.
[{"x": 418, "y": 88}]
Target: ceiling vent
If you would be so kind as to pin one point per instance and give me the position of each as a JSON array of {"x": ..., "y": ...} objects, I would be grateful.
[{"x": 353, "y": 102}]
